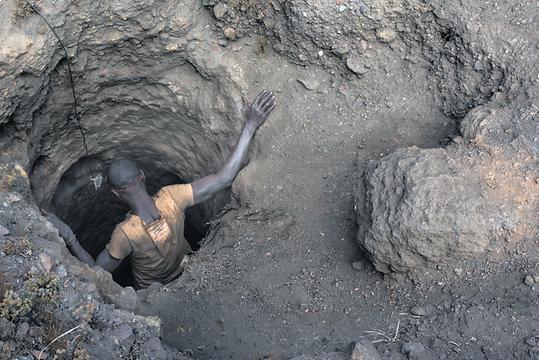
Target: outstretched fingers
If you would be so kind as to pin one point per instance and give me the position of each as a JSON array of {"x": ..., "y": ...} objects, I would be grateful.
[
  {"x": 268, "y": 100},
  {"x": 269, "y": 109},
  {"x": 261, "y": 96}
]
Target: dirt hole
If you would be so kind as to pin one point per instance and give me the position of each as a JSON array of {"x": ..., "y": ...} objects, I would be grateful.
[{"x": 93, "y": 213}]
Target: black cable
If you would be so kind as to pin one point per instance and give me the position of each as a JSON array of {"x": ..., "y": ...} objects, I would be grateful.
[{"x": 75, "y": 110}]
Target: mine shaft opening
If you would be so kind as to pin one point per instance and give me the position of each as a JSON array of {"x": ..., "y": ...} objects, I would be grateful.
[{"x": 94, "y": 213}]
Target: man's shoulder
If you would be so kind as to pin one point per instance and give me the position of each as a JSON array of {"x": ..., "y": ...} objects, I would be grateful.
[
  {"x": 180, "y": 194},
  {"x": 127, "y": 226}
]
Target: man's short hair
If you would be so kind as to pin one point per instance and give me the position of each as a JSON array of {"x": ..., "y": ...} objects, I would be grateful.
[{"x": 122, "y": 174}]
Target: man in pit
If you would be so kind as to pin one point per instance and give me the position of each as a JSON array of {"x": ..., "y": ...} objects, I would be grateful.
[{"x": 152, "y": 233}]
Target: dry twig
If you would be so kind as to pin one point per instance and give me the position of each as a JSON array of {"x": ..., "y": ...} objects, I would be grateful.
[{"x": 59, "y": 337}]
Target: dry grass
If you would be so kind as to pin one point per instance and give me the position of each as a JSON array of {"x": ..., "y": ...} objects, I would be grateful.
[{"x": 21, "y": 247}]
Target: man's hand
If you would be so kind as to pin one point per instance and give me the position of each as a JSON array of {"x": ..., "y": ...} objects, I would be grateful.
[
  {"x": 64, "y": 230},
  {"x": 257, "y": 112}
]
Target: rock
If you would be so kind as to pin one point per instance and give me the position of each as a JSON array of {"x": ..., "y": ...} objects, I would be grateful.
[
  {"x": 230, "y": 33},
  {"x": 362, "y": 47},
  {"x": 528, "y": 280},
  {"x": 153, "y": 349},
  {"x": 39, "y": 355},
  {"x": 358, "y": 265},
  {"x": 413, "y": 349},
  {"x": 478, "y": 66},
  {"x": 356, "y": 65},
  {"x": 536, "y": 279},
  {"x": 61, "y": 271},
  {"x": 365, "y": 350},
  {"x": 220, "y": 10},
  {"x": 533, "y": 341},
  {"x": 46, "y": 261},
  {"x": 7, "y": 328},
  {"x": 3, "y": 231},
  {"x": 386, "y": 35},
  {"x": 126, "y": 300},
  {"x": 22, "y": 329},
  {"x": 123, "y": 332},
  {"x": 418, "y": 311},
  {"x": 309, "y": 84},
  {"x": 420, "y": 207}
]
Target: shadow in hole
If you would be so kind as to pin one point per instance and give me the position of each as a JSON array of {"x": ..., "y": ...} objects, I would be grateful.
[{"x": 93, "y": 215}]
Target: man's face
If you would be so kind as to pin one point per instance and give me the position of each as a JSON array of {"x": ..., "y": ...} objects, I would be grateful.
[{"x": 138, "y": 181}]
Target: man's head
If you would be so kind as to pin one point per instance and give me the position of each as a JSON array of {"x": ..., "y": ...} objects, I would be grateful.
[{"x": 125, "y": 178}]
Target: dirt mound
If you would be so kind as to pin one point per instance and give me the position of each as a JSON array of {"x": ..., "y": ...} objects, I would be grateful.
[{"x": 433, "y": 208}]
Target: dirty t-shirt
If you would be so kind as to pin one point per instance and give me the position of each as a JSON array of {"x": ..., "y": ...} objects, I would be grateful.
[{"x": 156, "y": 249}]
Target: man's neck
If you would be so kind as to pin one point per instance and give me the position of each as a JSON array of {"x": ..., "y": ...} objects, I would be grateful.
[{"x": 145, "y": 208}]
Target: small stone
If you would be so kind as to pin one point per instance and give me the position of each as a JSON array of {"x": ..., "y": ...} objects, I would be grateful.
[
  {"x": 7, "y": 328},
  {"x": 154, "y": 349},
  {"x": 365, "y": 350},
  {"x": 220, "y": 10},
  {"x": 3, "y": 231},
  {"x": 478, "y": 66},
  {"x": 39, "y": 355},
  {"x": 533, "y": 341},
  {"x": 22, "y": 329},
  {"x": 321, "y": 53},
  {"x": 413, "y": 349},
  {"x": 310, "y": 84},
  {"x": 230, "y": 33},
  {"x": 418, "y": 311},
  {"x": 61, "y": 271},
  {"x": 356, "y": 65},
  {"x": 46, "y": 261},
  {"x": 386, "y": 35},
  {"x": 362, "y": 46},
  {"x": 276, "y": 5},
  {"x": 324, "y": 88},
  {"x": 123, "y": 332},
  {"x": 358, "y": 265},
  {"x": 13, "y": 197},
  {"x": 126, "y": 300},
  {"x": 536, "y": 278},
  {"x": 341, "y": 8},
  {"x": 528, "y": 280}
]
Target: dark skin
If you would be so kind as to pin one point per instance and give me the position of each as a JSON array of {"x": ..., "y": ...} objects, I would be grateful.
[{"x": 143, "y": 205}]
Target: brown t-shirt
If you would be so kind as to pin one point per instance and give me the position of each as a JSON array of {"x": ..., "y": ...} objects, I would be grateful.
[{"x": 156, "y": 249}]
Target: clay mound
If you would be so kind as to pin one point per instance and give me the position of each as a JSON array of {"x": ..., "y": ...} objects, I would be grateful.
[{"x": 422, "y": 208}]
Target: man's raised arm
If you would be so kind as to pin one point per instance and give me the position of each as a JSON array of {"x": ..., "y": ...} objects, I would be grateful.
[{"x": 255, "y": 113}]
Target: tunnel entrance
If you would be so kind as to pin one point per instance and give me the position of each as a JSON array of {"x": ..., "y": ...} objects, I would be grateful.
[{"x": 93, "y": 213}]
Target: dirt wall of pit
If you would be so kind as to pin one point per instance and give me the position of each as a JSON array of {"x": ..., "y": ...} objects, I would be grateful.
[{"x": 161, "y": 82}]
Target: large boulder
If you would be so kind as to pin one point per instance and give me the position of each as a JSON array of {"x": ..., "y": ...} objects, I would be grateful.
[{"x": 420, "y": 208}]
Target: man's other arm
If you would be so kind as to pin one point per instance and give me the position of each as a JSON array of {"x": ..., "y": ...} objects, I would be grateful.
[{"x": 104, "y": 259}]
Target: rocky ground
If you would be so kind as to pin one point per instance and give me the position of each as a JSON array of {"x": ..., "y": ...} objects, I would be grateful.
[{"x": 389, "y": 210}]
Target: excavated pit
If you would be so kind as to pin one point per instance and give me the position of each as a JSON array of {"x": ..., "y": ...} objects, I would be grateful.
[
  {"x": 158, "y": 83},
  {"x": 93, "y": 212}
]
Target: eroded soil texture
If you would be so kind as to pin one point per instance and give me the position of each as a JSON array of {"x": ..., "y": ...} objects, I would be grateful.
[{"x": 389, "y": 209}]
